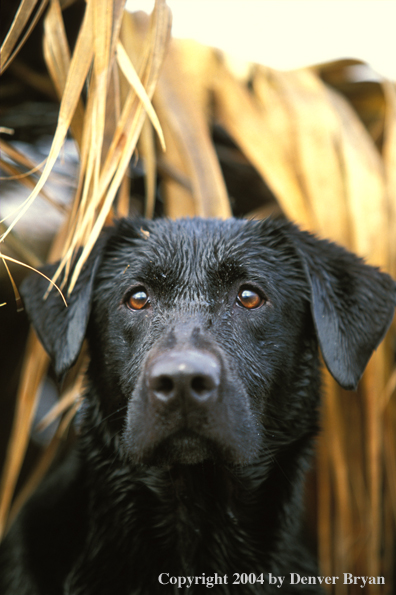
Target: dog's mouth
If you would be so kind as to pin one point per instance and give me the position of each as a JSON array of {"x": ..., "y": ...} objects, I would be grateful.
[{"x": 188, "y": 447}]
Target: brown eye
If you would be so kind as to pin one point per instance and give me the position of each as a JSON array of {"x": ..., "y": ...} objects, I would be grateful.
[
  {"x": 248, "y": 298},
  {"x": 138, "y": 300}
]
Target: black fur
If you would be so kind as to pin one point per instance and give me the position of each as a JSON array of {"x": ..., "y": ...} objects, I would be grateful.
[{"x": 180, "y": 478}]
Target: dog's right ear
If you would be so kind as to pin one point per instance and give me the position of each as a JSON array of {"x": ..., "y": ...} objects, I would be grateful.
[{"x": 61, "y": 329}]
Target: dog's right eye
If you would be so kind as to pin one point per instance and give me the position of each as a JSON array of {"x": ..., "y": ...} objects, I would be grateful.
[{"x": 138, "y": 300}]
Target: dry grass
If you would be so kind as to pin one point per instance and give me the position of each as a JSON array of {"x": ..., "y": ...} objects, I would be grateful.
[{"x": 326, "y": 148}]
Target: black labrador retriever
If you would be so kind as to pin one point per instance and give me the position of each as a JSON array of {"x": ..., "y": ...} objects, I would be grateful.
[{"x": 200, "y": 409}]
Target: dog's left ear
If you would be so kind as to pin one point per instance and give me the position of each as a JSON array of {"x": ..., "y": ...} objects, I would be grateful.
[
  {"x": 352, "y": 305},
  {"x": 61, "y": 329}
]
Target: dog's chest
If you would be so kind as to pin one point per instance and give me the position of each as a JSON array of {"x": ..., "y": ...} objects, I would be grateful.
[{"x": 161, "y": 526}]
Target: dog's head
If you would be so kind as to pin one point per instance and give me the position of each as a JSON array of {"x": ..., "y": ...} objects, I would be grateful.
[{"x": 202, "y": 333}]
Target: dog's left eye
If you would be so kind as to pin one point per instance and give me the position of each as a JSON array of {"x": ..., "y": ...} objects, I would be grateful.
[
  {"x": 138, "y": 300},
  {"x": 249, "y": 298}
]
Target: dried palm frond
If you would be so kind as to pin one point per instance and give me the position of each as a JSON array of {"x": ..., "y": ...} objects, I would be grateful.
[
  {"x": 103, "y": 159},
  {"x": 324, "y": 146}
]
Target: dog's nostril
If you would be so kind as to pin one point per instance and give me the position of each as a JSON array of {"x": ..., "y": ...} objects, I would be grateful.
[
  {"x": 163, "y": 384},
  {"x": 202, "y": 384}
]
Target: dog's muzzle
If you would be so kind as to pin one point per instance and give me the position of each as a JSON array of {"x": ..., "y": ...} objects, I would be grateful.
[{"x": 188, "y": 406}]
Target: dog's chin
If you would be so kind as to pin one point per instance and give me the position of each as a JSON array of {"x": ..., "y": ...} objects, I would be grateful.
[{"x": 181, "y": 448}]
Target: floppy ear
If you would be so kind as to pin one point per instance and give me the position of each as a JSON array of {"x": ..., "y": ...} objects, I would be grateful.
[
  {"x": 352, "y": 305},
  {"x": 60, "y": 329}
]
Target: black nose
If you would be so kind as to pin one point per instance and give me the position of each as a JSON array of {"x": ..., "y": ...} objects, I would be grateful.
[{"x": 192, "y": 376}]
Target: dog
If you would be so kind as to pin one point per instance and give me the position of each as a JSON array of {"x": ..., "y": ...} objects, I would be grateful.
[{"x": 200, "y": 410}]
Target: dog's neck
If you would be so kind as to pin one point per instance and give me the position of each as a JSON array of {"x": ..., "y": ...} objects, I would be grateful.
[{"x": 199, "y": 518}]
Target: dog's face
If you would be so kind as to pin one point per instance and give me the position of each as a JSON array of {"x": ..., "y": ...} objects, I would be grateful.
[
  {"x": 195, "y": 328},
  {"x": 202, "y": 334}
]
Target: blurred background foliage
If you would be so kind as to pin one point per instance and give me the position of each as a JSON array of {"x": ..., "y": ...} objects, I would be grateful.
[{"x": 104, "y": 115}]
